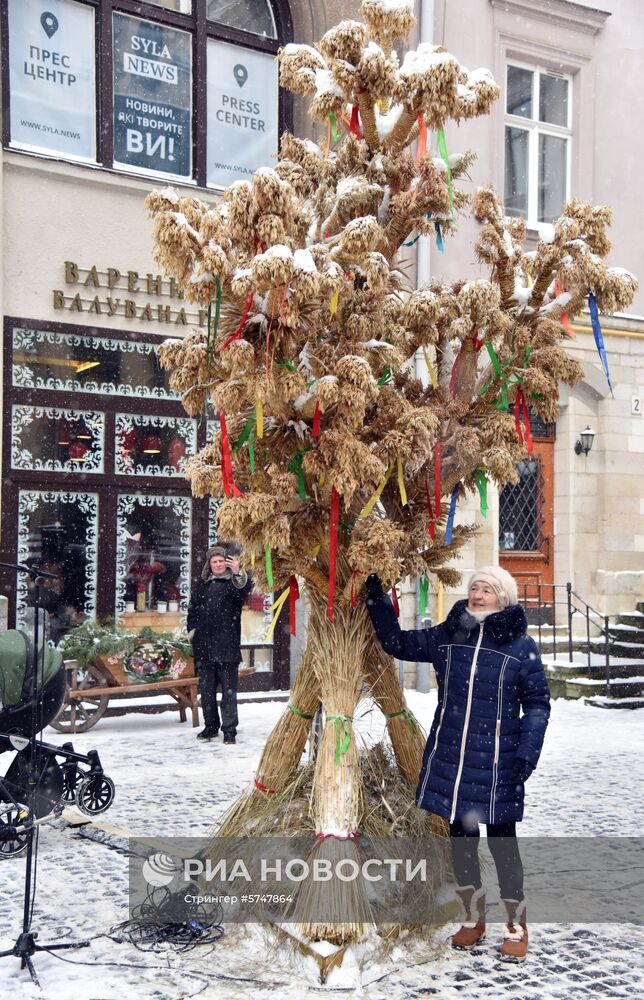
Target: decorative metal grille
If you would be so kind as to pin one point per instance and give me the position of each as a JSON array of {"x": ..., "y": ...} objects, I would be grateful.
[{"x": 520, "y": 519}]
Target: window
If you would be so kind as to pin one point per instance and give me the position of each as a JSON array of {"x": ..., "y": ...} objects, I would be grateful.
[
  {"x": 176, "y": 89},
  {"x": 537, "y": 143},
  {"x": 520, "y": 522}
]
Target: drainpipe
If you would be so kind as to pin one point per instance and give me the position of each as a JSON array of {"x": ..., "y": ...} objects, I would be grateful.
[{"x": 426, "y": 34}]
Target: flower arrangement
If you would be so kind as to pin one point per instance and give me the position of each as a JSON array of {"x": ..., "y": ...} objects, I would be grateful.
[{"x": 148, "y": 661}]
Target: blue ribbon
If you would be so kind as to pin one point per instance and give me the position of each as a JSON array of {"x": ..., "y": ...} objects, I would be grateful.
[
  {"x": 439, "y": 237},
  {"x": 450, "y": 517},
  {"x": 599, "y": 338}
]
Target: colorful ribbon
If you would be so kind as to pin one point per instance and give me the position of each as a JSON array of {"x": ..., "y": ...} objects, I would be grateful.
[
  {"x": 296, "y": 711},
  {"x": 599, "y": 338},
  {"x": 263, "y": 788},
  {"x": 565, "y": 322},
  {"x": 432, "y": 523},
  {"x": 422, "y": 138},
  {"x": 335, "y": 298},
  {"x": 508, "y": 381},
  {"x": 315, "y": 430},
  {"x": 430, "y": 369},
  {"x": 442, "y": 149},
  {"x": 293, "y": 595},
  {"x": 401, "y": 482},
  {"x": 268, "y": 559},
  {"x": 333, "y": 549},
  {"x": 334, "y": 128},
  {"x": 355, "y": 122},
  {"x": 238, "y": 332},
  {"x": 386, "y": 375},
  {"x": 230, "y": 488},
  {"x": 342, "y": 734},
  {"x": 450, "y": 517},
  {"x": 276, "y": 609},
  {"x": 406, "y": 714},
  {"x": 481, "y": 484},
  {"x": 296, "y": 466},
  {"x": 394, "y": 601},
  {"x": 423, "y": 595},
  {"x": 259, "y": 416},
  {"x": 439, "y": 237},
  {"x": 373, "y": 499}
]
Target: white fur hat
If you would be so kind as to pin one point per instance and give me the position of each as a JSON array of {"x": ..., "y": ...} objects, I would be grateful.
[{"x": 503, "y": 583}]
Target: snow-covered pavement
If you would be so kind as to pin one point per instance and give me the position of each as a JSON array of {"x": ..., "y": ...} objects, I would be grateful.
[{"x": 590, "y": 782}]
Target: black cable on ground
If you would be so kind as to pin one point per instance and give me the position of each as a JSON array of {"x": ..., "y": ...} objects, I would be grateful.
[{"x": 166, "y": 918}]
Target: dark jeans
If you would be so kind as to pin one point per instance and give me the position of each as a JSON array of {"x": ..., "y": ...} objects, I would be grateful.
[
  {"x": 502, "y": 841},
  {"x": 211, "y": 675}
]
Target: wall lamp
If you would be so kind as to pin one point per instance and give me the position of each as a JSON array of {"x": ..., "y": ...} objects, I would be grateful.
[{"x": 585, "y": 442}]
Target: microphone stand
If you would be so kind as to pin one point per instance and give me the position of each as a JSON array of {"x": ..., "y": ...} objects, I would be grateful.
[{"x": 25, "y": 945}]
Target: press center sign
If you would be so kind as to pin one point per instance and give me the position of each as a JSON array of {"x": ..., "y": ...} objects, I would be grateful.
[{"x": 242, "y": 112}]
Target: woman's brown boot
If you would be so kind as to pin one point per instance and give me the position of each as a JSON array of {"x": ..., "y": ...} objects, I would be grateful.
[
  {"x": 473, "y": 917},
  {"x": 515, "y": 932}
]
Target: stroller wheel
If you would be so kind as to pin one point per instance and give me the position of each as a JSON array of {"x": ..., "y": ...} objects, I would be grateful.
[
  {"x": 72, "y": 778},
  {"x": 95, "y": 793},
  {"x": 12, "y": 845}
]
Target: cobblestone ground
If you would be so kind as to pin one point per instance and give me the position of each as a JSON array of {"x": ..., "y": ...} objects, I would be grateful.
[{"x": 590, "y": 781}]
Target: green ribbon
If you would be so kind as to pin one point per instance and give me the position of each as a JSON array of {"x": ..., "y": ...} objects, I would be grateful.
[
  {"x": 346, "y": 526},
  {"x": 481, "y": 484},
  {"x": 269, "y": 566},
  {"x": 334, "y": 128},
  {"x": 407, "y": 714},
  {"x": 342, "y": 734},
  {"x": 296, "y": 711},
  {"x": 251, "y": 452},
  {"x": 298, "y": 467},
  {"x": 423, "y": 595},
  {"x": 507, "y": 381},
  {"x": 246, "y": 433},
  {"x": 442, "y": 149},
  {"x": 290, "y": 365},
  {"x": 386, "y": 375}
]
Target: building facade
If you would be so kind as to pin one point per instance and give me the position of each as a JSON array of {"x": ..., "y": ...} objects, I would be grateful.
[{"x": 103, "y": 101}]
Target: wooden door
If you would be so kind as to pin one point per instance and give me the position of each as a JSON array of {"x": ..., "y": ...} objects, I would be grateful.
[{"x": 526, "y": 525}]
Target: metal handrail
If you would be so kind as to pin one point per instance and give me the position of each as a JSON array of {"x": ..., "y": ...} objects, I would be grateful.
[{"x": 575, "y": 605}]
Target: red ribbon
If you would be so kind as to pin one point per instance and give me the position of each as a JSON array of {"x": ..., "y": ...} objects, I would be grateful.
[
  {"x": 437, "y": 479},
  {"x": 565, "y": 322},
  {"x": 333, "y": 549},
  {"x": 263, "y": 788},
  {"x": 238, "y": 332},
  {"x": 355, "y": 122},
  {"x": 521, "y": 409},
  {"x": 422, "y": 138},
  {"x": 315, "y": 430},
  {"x": 432, "y": 524},
  {"x": 394, "y": 601},
  {"x": 293, "y": 596},
  {"x": 230, "y": 489}
]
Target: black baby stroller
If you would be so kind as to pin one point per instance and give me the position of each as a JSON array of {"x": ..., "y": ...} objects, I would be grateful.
[{"x": 56, "y": 785}]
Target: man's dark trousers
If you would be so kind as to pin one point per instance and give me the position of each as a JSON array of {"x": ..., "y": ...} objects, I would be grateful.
[{"x": 211, "y": 675}]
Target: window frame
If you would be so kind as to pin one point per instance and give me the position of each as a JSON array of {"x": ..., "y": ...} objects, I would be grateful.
[
  {"x": 200, "y": 29},
  {"x": 535, "y": 128}
]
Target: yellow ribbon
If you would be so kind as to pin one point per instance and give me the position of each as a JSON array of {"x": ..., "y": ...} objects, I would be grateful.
[
  {"x": 373, "y": 500},
  {"x": 401, "y": 482},
  {"x": 252, "y": 559},
  {"x": 277, "y": 607},
  {"x": 334, "y": 301},
  {"x": 259, "y": 417},
  {"x": 315, "y": 550},
  {"x": 430, "y": 369}
]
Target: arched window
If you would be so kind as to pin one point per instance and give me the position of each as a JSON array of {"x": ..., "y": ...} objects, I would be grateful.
[{"x": 184, "y": 90}]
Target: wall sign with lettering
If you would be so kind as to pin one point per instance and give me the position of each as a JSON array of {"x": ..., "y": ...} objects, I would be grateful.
[
  {"x": 242, "y": 112},
  {"x": 52, "y": 77},
  {"x": 152, "y": 97}
]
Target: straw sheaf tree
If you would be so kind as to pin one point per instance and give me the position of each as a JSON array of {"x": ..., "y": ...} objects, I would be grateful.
[{"x": 333, "y": 459}]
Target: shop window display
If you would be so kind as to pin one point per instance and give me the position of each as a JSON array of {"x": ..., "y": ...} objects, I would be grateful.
[
  {"x": 58, "y": 532},
  {"x": 48, "y": 439},
  {"x": 153, "y": 446}
]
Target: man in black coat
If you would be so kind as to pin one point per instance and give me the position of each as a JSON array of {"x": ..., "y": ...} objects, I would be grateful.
[{"x": 214, "y": 617}]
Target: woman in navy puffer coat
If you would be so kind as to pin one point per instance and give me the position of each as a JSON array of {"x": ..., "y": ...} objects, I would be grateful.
[{"x": 486, "y": 737}]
